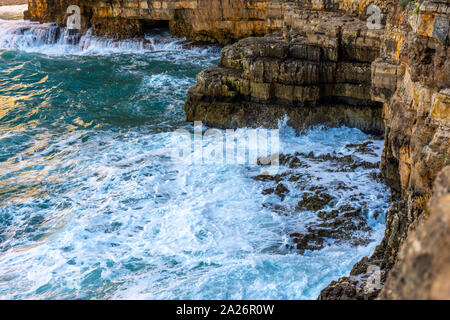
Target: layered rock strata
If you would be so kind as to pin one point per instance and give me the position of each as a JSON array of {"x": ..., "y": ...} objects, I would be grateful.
[
  {"x": 317, "y": 72},
  {"x": 422, "y": 270},
  {"x": 201, "y": 20}
]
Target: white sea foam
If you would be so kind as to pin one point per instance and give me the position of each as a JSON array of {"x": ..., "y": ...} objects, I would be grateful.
[{"x": 130, "y": 224}]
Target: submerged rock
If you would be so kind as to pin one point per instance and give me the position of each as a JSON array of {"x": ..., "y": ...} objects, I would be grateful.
[{"x": 314, "y": 202}]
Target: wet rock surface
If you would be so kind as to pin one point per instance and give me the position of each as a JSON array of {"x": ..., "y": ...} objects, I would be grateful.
[{"x": 337, "y": 212}]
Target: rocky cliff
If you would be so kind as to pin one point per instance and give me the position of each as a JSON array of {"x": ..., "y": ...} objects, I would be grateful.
[
  {"x": 411, "y": 77},
  {"x": 318, "y": 62},
  {"x": 201, "y": 20}
]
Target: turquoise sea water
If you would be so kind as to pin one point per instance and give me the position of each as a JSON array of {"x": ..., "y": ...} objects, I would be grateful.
[{"x": 91, "y": 207}]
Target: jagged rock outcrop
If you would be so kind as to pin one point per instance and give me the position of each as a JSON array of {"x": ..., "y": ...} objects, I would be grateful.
[
  {"x": 201, "y": 20},
  {"x": 318, "y": 71},
  {"x": 411, "y": 78}
]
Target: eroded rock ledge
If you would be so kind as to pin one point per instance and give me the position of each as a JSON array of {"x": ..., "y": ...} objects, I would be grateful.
[{"x": 316, "y": 71}]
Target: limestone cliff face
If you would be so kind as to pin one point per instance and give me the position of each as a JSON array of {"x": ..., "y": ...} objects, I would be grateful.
[
  {"x": 202, "y": 20},
  {"x": 412, "y": 80},
  {"x": 422, "y": 270},
  {"x": 411, "y": 77}
]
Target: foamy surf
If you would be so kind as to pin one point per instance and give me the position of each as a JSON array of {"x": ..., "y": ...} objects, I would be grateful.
[{"x": 92, "y": 207}]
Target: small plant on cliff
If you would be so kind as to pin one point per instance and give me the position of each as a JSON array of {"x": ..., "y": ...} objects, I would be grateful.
[
  {"x": 404, "y": 3},
  {"x": 417, "y": 3},
  {"x": 421, "y": 203}
]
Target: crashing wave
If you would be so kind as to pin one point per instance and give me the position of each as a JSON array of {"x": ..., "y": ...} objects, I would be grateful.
[{"x": 50, "y": 38}]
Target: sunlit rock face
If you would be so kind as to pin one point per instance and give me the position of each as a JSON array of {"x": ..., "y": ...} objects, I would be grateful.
[
  {"x": 317, "y": 71},
  {"x": 201, "y": 20},
  {"x": 412, "y": 79}
]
